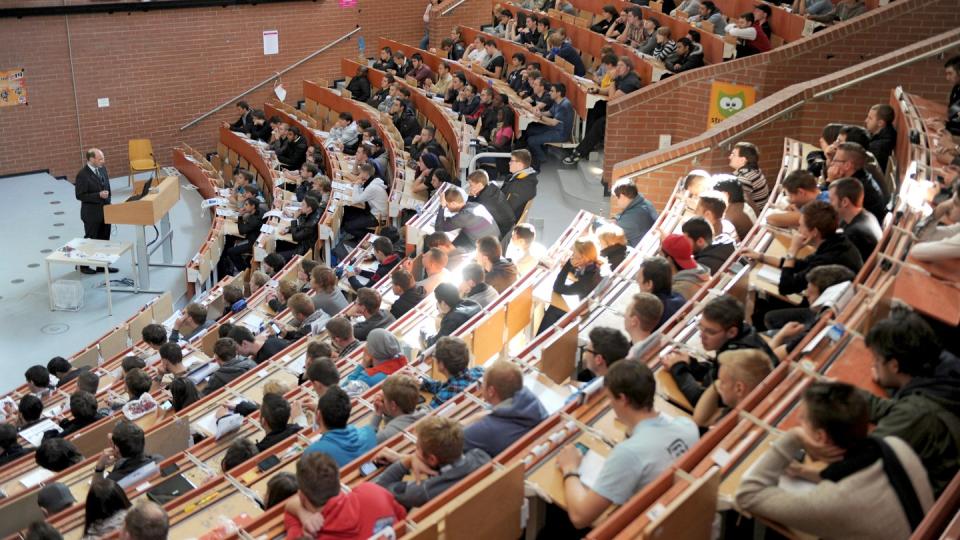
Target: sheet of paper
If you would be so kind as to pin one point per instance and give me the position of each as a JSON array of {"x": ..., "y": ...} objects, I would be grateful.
[
  {"x": 795, "y": 485},
  {"x": 208, "y": 423},
  {"x": 590, "y": 468},
  {"x": 769, "y": 274},
  {"x": 34, "y": 433},
  {"x": 551, "y": 400},
  {"x": 35, "y": 477}
]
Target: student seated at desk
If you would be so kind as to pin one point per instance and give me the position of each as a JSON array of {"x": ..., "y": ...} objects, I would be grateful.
[
  {"x": 88, "y": 381},
  {"x": 851, "y": 161},
  {"x": 604, "y": 347},
  {"x": 559, "y": 47},
  {"x": 516, "y": 410},
  {"x": 859, "y": 226},
  {"x": 240, "y": 450},
  {"x": 125, "y": 453},
  {"x": 656, "y": 277},
  {"x": 712, "y": 206},
  {"x": 524, "y": 250},
  {"x": 801, "y": 188},
  {"x": 183, "y": 393},
  {"x": 489, "y": 196},
  {"x": 553, "y": 125},
  {"x": 382, "y": 356},
  {"x": 501, "y": 273},
  {"x": 261, "y": 347},
  {"x": 10, "y": 448},
  {"x": 64, "y": 371},
  {"x": 275, "y": 414},
  {"x": 453, "y": 362},
  {"x": 273, "y": 263},
  {"x": 306, "y": 319},
  {"x": 687, "y": 55},
  {"x": 38, "y": 381},
  {"x": 303, "y": 229},
  {"x": 641, "y": 320},
  {"x": 708, "y": 251},
  {"x": 367, "y": 305},
  {"x": 106, "y": 507},
  {"x": 469, "y": 220},
  {"x": 940, "y": 242},
  {"x": 231, "y": 365},
  {"x": 83, "y": 408},
  {"x": 818, "y": 228},
  {"x": 53, "y": 498},
  {"x": 455, "y": 311},
  {"x": 473, "y": 287},
  {"x": 408, "y": 292},
  {"x": 145, "y": 520},
  {"x": 637, "y": 215},
  {"x": 722, "y": 328},
  {"x": 277, "y": 299},
  {"x": 359, "y": 85},
  {"x": 925, "y": 407},
  {"x": 737, "y": 212},
  {"x": 688, "y": 275},
  {"x": 28, "y": 412},
  {"x": 342, "y": 442},
  {"x": 57, "y": 455},
  {"x": 440, "y": 456},
  {"x": 396, "y": 406},
  {"x": 171, "y": 364},
  {"x": 322, "y": 511},
  {"x": 190, "y": 323},
  {"x": 868, "y": 475},
  {"x": 386, "y": 259},
  {"x": 154, "y": 336},
  {"x": 792, "y": 324},
  {"x": 327, "y": 296},
  {"x": 373, "y": 197},
  {"x": 738, "y": 373},
  {"x": 579, "y": 276},
  {"x": 654, "y": 442},
  {"x": 136, "y": 382}
]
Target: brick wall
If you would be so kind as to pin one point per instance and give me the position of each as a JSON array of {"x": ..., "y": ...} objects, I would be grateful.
[
  {"x": 472, "y": 13},
  {"x": 849, "y": 105},
  {"x": 162, "y": 69},
  {"x": 678, "y": 106}
]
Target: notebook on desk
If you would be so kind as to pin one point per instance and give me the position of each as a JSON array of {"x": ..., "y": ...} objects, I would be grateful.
[{"x": 170, "y": 489}]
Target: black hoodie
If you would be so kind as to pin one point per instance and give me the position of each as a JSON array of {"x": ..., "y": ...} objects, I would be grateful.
[{"x": 406, "y": 301}]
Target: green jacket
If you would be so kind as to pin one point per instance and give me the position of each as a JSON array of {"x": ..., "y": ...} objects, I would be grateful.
[{"x": 926, "y": 414}]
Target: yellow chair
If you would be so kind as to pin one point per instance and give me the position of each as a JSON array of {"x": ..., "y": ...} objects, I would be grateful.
[{"x": 140, "y": 152}]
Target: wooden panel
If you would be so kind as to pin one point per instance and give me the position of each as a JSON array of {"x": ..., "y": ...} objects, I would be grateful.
[
  {"x": 499, "y": 494},
  {"x": 519, "y": 312},
  {"x": 137, "y": 324},
  {"x": 163, "y": 307},
  {"x": 488, "y": 337},
  {"x": 92, "y": 441},
  {"x": 20, "y": 513},
  {"x": 429, "y": 531},
  {"x": 170, "y": 439},
  {"x": 691, "y": 515},
  {"x": 114, "y": 344},
  {"x": 148, "y": 210},
  {"x": 558, "y": 359},
  {"x": 928, "y": 295},
  {"x": 88, "y": 358}
]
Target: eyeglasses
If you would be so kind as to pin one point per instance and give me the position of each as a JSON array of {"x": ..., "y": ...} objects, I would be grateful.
[{"x": 584, "y": 348}]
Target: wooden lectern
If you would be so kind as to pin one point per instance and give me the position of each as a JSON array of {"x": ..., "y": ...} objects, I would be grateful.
[{"x": 148, "y": 211}]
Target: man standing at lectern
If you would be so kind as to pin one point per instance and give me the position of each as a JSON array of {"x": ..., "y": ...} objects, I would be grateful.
[{"x": 92, "y": 188}]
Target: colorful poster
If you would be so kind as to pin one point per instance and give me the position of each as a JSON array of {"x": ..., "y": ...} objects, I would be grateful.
[
  {"x": 13, "y": 88},
  {"x": 727, "y": 99}
]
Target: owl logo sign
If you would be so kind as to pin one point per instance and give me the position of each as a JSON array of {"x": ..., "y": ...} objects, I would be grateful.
[{"x": 728, "y": 99}]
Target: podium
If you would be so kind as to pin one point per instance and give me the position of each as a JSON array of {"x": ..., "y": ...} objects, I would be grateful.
[{"x": 151, "y": 209}]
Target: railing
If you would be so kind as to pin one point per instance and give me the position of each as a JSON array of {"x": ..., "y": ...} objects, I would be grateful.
[
  {"x": 453, "y": 7},
  {"x": 275, "y": 76}
]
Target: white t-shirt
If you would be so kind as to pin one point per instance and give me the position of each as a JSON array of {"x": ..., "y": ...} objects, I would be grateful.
[
  {"x": 652, "y": 447},
  {"x": 376, "y": 195}
]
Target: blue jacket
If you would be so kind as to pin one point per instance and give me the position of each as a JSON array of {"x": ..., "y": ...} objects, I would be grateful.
[
  {"x": 345, "y": 445},
  {"x": 636, "y": 219},
  {"x": 671, "y": 304},
  {"x": 505, "y": 424},
  {"x": 568, "y": 53}
]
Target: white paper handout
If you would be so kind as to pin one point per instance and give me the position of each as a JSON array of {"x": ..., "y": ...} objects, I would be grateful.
[
  {"x": 590, "y": 468},
  {"x": 34, "y": 433}
]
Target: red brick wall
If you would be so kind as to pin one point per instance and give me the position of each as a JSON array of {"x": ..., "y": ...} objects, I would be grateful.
[
  {"x": 678, "y": 106},
  {"x": 162, "y": 69},
  {"x": 923, "y": 77}
]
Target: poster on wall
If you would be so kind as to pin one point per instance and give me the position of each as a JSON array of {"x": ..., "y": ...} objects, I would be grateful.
[
  {"x": 13, "y": 88},
  {"x": 727, "y": 99}
]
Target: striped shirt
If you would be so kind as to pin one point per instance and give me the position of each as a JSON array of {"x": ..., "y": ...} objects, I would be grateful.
[{"x": 755, "y": 189}]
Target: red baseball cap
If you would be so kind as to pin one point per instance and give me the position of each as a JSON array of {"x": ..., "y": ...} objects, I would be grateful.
[{"x": 680, "y": 249}]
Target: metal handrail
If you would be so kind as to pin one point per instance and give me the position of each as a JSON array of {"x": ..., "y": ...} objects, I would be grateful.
[
  {"x": 275, "y": 76},
  {"x": 453, "y": 7}
]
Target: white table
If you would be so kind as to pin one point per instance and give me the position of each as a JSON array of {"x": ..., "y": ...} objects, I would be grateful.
[{"x": 78, "y": 252}]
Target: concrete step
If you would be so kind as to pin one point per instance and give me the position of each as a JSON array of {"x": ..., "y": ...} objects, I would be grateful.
[{"x": 579, "y": 192}]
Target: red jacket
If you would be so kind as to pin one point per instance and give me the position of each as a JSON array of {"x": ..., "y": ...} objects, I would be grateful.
[
  {"x": 358, "y": 515},
  {"x": 761, "y": 43},
  {"x": 388, "y": 366}
]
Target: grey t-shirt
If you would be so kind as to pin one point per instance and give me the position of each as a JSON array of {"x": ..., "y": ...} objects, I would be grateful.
[{"x": 654, "y": 444}]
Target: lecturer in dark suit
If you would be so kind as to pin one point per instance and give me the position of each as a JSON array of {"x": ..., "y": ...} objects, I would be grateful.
[{"x": 92, "y": 188}]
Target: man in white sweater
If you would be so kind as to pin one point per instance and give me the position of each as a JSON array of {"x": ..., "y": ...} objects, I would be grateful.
[{"x": 871, "y": 488}]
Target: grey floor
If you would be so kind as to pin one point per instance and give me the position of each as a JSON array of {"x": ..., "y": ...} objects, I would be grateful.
[
  {"x": 42, "y": 214},
  {"x": 563, "y": 191}
]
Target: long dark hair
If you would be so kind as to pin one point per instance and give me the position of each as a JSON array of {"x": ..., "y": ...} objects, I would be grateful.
[
  {"x": 183, "y": 393},
  {"x": 104, "y": 499}
]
